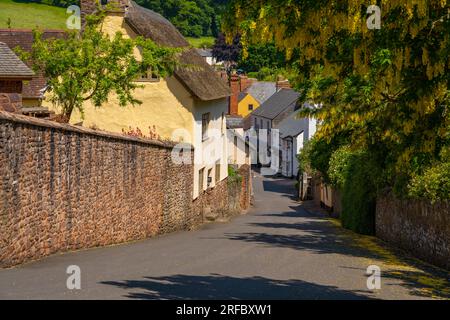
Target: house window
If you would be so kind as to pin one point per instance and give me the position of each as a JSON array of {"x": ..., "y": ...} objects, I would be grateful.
[
  {"x": 250, "y": 107},
  {"x": 223, "y": 123},
  {"x": 217, "y": 172},
  {"x": 262, "y": 124},
  {"x": 201, "y": 174},
  {"x": 205, "y": 125},
  {"x": 104, "y": 2},
  {"x": 148, "y": 76},
  {"x": 209, "y": 178},
  {"x": 247, "y": 149}
]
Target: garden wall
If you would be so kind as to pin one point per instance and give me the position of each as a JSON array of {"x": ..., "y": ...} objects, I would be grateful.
[
  {"x": 65, "y": 188},
  {"x": 228, "y": 198},
  {"x": 420, "y": 227}
]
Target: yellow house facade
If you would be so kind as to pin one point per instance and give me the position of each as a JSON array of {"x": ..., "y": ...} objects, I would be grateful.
[
  {"x": 246, "y": 104},
  {"x": 179, "y": 108}
]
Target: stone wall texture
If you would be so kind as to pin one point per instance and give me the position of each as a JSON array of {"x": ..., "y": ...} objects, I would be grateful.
[
  {"x": 66, "y": 188},
  {"x": 11, "y": 102},
  {"x": 420, "y": 227},
  {"x": 10, "y": 96},
  {"x": 227, "y": 199}
]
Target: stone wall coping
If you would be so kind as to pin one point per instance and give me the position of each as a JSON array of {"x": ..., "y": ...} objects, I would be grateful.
[
  {"x": 77, "y": 129},
  {"x": 416, "y": 201}
]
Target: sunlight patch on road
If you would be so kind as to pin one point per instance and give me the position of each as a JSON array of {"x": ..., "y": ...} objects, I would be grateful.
[{"x": 423, "y": 279}]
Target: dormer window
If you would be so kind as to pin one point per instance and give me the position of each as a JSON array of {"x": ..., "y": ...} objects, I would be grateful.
[{"x": 148, "y": 76}]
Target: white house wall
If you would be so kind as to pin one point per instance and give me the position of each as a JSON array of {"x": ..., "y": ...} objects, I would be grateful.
[{"x": 216, "y": 143}]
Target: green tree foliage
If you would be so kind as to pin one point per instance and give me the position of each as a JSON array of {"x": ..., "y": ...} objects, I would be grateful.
[
  {"x": 92, "y": 66},
  {"x": 339, "y": 166},
  {"x": 359, "y": 177},
  {"x": 264, "y": 62},
  {"x": 388, "y": 88},
  {"x": 194, "y": 18},
  {"x": 314, "y": 158},
  {"x": 359, "y": 192},
  {"x": 356, "y": 173},
  {"x": 262, "y": 56},
  {"x": 434, "y": 182}
]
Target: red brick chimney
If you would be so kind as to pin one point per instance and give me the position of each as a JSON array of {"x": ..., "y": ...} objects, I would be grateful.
[
  {"x": 235, "y": 90},
  {"x": 90, "y": 6},
  {"x": 283, "y": 84},
  {"x": 245, "y": 83}
]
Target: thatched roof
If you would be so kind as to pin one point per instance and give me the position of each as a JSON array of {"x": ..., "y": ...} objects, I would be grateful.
[{"x": 198, "y": 77}]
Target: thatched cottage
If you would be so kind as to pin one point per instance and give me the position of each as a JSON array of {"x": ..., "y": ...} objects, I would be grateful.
[{"x": 189, "y": 106}]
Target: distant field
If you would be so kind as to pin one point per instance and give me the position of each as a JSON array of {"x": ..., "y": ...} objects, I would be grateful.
[
  {"x": 200, "y": 42},
  {"x": 31, "y": 15},
  {"x": 25, "y": 15}
]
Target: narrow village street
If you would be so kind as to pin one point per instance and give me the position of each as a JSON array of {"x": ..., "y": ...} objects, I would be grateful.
[{"x": 279, "y": 250}]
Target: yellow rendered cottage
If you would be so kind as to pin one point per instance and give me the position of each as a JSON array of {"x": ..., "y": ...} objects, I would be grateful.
[
  {"x": 246, "y": 104},
  {"x": 190, "y": 106}
]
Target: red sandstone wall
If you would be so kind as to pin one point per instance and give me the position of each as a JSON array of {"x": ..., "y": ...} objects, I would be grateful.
[
  {"x": 10, "y": 96},
  {"x": 11, "y": 102},
  {"x": 420, "y": 227},
  {"x": 227, "y": 199},
  {"x": 66, "y": 188}
]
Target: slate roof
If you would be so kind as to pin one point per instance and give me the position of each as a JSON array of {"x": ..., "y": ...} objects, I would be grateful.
[
  {"x": 242, "y": 96},
  {"x": 11, "y": 66},
  {"x": 234, "y": 122},
  {"x": 205, "y": 53},
  {"x": 262, "y": 90},
  {"x": 197, "y": 76},
  {"x": 292, "y": 126},
  {"x": 277, "y": 103},
  {"x": 24, "y": 39}
]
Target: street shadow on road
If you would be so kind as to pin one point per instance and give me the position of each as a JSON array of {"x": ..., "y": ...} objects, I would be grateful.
[
  {"x": 312, "y": 233},
  {"x": 215, "y": 286},
  {"x": 315, "y": 234},
  {"x": 281, "y": 186},
  {"x": 316, "y": 241}
]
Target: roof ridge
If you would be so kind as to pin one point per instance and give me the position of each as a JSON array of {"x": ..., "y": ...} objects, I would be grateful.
[
  {"x": 205, "y": 84},
  {"x": 268, "y": 105}
]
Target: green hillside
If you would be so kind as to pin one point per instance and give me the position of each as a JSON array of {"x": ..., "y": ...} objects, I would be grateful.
[
  {"x": 31, "y": 15},
  {"x": 202, "y": 42}
]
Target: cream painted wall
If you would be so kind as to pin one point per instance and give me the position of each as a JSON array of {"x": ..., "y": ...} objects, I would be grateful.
[
  {"x": 31, "y": 102},
  {"x": 169, "y": 106},
  {"x": 237, "y": 152},
  {"x": 166, "y": 104},
  {"x": 160, "y": 108}
]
